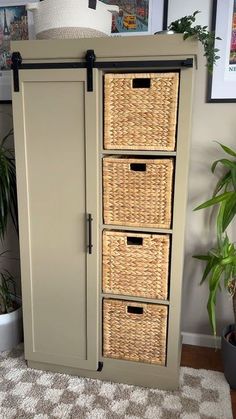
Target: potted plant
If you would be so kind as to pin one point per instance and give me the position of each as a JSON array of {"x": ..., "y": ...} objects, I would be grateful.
[
  {"x": 220, "y": 260},
  {"x": 10, "y": 309},
  {"x": 206, "y": 37}
]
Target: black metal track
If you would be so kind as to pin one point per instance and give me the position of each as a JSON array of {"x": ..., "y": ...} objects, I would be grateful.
[
  {"x": 90, "y": 63},
  {"x": 44, "y": 66},
  {"x": 144, "y": 64},
  {"x": 111, "y": 64}
]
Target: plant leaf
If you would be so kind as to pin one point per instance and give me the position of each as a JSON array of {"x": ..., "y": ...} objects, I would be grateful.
[
  {"x": 223, "y": 181},
  {"x": 214, "y": 200},
  {"x": 219, "y": 222},
  {"x": 213, "y": 286},
  {"x": 202, "y": 257},
  {"x": 229, "y": 211},
  {"x": 210, "y": 265},
  {"x": 225, "y": 162},
  {"x": 229, "y": 260},
  {"x": 8, "y": 192},
  {"x": 228, "y": 150},
  {"x": 233, "y": 177}
]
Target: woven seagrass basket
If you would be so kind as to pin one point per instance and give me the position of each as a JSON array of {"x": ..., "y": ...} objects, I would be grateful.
[
  {"x": 141, "y": 111},
  {"x": 134, "y": 331},
  {"x": 137, "y": 192},
  {"x": 136, "y": 264}
]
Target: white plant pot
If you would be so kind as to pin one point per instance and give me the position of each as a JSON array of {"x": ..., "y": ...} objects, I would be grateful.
[
  {"x": 71, "y": 18},
  {"x": 10, "y": 329}
]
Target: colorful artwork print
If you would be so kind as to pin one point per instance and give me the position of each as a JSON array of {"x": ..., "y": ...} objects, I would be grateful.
[
  {"x": 232, "y": 56},
  {"x": 132, "y": 17},
  {"x": 13, "y": 26}
]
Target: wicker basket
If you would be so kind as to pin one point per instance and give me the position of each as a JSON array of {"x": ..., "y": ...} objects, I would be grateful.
[
  {"x": 134, "y": 331},
  {"x": 137, "y": 192},
  {"x": 136, "y": 264},
  {"x": 141, "y": 111}
]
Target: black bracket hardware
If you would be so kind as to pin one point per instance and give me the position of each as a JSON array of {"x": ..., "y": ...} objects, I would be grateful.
[
  {"x": 90, "y": 59},
  {"x": 16, "y": 64},
  {"x": 100, "y": 366},
  {"x": 92, "y": 4},
  {"x": 90, "y": 245},
  {"x": 187, "y": 63}
]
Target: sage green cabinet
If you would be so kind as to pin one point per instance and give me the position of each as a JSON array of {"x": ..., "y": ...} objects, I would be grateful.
[{"x": 59, "y": 133}]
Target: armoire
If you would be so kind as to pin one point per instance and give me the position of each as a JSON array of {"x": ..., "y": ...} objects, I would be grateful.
[{"x": 102, "y": 132}]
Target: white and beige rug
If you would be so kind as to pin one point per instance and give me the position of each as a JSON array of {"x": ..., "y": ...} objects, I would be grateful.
[{"x": 28, "y": 394}]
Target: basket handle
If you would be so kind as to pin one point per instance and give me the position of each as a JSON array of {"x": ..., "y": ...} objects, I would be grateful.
[
  {"x": 141, "y": 83},
  {"x": 134, "y": 241},
  {"x": 138, "y": 167},
  {"x": 134, "y": 310}
]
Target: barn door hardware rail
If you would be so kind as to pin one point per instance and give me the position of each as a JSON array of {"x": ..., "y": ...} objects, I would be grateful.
[{"x": 90, "y": 63}]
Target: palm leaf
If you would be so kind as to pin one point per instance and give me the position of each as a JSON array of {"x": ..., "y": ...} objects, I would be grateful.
[
  {"x": 227, "y": 149},
  {"x": 215, "y": 200},
  {"x": 6, "y": 136},
  {"x": 219, "y": 222},
  {"x": 223, "y": 182},
  {"x": 228, "y": 260},
  {"x": 229, "y": 211},
  {"x": 8, "y": 192},
  {"x": 213, "y": 286},
  {"x": 201, "y": 257},
  {"x": 233, "y": 177},
  {"x": 228, "y": 271},
  {"x": 225, "y": 162},
  {"x": 210, "y": 265}
]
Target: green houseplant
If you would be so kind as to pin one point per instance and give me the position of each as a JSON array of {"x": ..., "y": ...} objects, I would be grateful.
[
  {"x": 185, "y": 25},
  {"x": 7, "y": 290},
  {"x": 10, "y": 310},
  {"x": 220, "y": 261},
  {"x": 8, "y": 194}
]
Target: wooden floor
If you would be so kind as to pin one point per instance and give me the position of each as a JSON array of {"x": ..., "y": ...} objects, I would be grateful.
[{"x": 207, "y": 358}]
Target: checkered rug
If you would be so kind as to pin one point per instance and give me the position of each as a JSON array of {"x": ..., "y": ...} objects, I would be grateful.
[{"x": 26, "y": 393}]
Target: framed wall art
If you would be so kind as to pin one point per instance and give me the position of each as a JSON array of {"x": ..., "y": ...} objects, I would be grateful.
[
  {"x": 15, "y": 24},
  {"x": 222, "y": 82},
  {"x": 139, "y": 17}
]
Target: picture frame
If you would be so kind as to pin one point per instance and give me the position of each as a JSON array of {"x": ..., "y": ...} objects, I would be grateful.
[
  {"x": 15, "y": 24},
  {"x": 222, "y": 81},
  {"x": 133, "y": 19}
]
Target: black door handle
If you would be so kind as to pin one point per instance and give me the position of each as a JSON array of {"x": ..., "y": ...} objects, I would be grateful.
[{"x": 90, "y": 238}]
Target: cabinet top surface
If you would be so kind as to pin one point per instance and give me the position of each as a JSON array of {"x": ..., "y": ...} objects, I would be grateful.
[{"x": 117, "y": 47}]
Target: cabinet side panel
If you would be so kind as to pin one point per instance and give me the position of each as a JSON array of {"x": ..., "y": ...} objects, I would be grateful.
[{"x": 55, "y": 164}]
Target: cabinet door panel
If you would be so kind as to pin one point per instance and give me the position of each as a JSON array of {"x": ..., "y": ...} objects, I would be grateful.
[{"x": 51, "y": 166}]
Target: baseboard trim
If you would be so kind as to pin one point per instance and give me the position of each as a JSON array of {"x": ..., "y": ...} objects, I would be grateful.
[{"x": 196, "y": 339}]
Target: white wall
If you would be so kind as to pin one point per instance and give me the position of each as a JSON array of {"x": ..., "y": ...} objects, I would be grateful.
[
  {"x": 211, "y": 121},
  {"x": 180, "y": 8}
]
